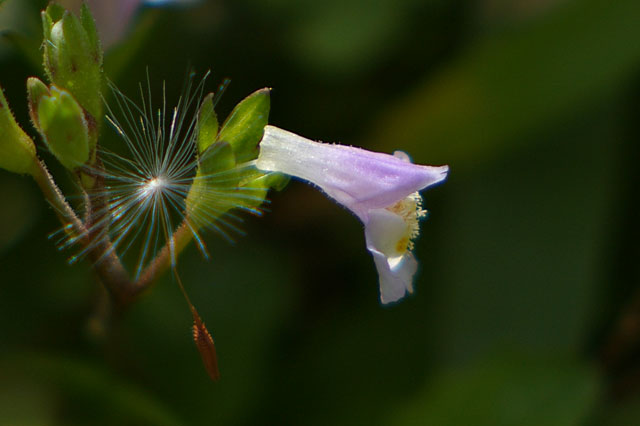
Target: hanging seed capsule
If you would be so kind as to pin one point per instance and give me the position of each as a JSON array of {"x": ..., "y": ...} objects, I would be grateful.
[{"x": 206, "y": 347}]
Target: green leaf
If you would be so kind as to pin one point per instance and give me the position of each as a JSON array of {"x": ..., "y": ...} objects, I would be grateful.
[
  {"x": 17, "y": 151},
  {"x": 64, "y": 128},
  {"x": 244, "y": 127},
  {"x": 207, "y": 124}
]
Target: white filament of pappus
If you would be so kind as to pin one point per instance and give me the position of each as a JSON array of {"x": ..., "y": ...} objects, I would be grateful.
[{"x": 146, "y": 190}]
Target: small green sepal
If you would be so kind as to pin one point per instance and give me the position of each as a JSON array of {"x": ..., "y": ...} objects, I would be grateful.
[
  {"x": 73, "y": 56},
  {"x": 225, "y": 180},
  {"x": 244, "y": 127},
  {"x": 64, "y": 128},
  {"x": 207, "y": 124},
  {"x": 17, "y": 150},
  {"x": 215, "y": 179},
  {"x": 36, "y": 89},
  {"x": 89, "y": 26}
]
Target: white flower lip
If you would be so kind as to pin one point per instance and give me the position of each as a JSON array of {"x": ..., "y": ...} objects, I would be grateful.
[{"x": 380, "y": 189}]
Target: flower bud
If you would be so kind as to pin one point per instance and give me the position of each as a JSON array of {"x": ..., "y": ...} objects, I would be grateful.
[
  {"x": 36, "y": 89},
  {"x": 73, "y": 56},
  {"x": 64, "y": 128},
  {"x": 17, "y": 151}
]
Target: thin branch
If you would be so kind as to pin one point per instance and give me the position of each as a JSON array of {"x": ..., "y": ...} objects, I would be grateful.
[
  {"x": 53, "y": 195},
  {"x": 180, "y": 239},
  {"x": 105, "y": 261},
  {"x": 102, "y": 253}
]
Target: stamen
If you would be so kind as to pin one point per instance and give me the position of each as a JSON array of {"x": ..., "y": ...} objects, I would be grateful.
[{"x": 411, "y": 211}]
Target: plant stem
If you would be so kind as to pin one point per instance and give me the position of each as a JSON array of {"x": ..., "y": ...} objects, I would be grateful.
[
  {"x": 101, "y": 252},
  {"x": 93, "y": 236},
  {"x": 105, "y": 261},
  {"x": 181, "y": 237},
  {"x": 53, "y": 195}
]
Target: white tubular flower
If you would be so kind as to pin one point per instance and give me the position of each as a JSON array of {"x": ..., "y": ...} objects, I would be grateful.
[{"x": 380, "y": 189}]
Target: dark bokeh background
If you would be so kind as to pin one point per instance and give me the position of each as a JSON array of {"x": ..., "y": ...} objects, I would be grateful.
[{"x": 528, "y": 259}]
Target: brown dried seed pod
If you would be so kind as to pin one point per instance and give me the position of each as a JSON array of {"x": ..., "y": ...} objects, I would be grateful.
[{"x": 206, "y": 347}]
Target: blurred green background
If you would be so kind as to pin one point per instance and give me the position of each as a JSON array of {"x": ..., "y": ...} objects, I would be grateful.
[{"x": 528, "y": 258}]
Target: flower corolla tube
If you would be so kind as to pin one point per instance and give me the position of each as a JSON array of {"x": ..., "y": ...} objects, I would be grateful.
[{"x": 382, "y": 190}]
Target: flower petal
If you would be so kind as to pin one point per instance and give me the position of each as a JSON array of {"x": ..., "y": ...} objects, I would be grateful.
[
  {"x": 396, "y": 265},
  {"x": 358, "y": 179},
  {"x": 385, "y": 232},
  {"x": 397, "y": 281}
]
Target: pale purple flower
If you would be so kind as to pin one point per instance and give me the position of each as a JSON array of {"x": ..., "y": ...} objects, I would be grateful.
[{"x": 380, "y": 189}]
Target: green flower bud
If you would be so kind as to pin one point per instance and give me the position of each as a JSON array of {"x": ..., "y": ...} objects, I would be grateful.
[
  {"x": 36, "y": 89},
  {"x": 17, "y": 151},
  {"x": 73, "y": 56},
  {"x": 244, "y": 126},
  {"x": 64, "y": 128}
]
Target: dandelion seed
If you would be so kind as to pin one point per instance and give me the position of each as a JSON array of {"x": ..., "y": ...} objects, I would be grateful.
[{"x": 143, "y": 200}]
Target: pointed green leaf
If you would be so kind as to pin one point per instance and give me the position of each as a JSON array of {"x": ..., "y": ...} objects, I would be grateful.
[
  {"x": 17, "y": 151},
  {"x": 244, "y": 127}
]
